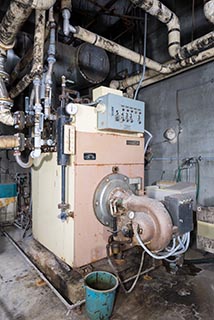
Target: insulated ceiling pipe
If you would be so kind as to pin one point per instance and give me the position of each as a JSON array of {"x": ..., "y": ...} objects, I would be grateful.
[
  {"x": 152, "y": 77},
  {"x": 38, "y": 54},
  {"x": 209, "y": 10},
  {"x": 165, "y": 15},
  {"x": 17, "y": 13},
  {"x": 126, "y": 53},
  {"x": 117, "y": 49}
]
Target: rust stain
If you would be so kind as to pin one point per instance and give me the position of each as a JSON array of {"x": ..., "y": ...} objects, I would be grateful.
[
  {"x": 40, "y": 283},
  {"x": 147, "y": 277}
]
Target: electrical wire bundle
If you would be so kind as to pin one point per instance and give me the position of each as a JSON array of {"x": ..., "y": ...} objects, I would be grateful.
[{"x": 179, "y": 246}]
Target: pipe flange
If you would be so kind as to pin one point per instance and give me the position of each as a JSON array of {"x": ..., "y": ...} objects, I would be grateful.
[{"x": 104, "y": 193}]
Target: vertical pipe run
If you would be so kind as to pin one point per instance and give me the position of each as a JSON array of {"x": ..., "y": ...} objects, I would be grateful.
[
  {"x": 63, "y": 170},
  {"x": 38, "y": 55},
  {"x": 166, "y": 16},
  {"x": 62, "y": 158},
  {"x": 51, "y": 61}
]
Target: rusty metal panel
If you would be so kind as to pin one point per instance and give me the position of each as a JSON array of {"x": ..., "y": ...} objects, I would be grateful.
[{"x": 111, "y": 149}]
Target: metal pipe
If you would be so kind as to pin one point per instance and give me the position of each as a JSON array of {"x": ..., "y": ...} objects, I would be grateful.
[
  {"x": 42, "y": 4},
  {"x": 17, "y": 13},
  {"x": 175, "y": 67},
  {"x": 38, "y": 120},
  {"x": 201, "y": 44},
  {"x": 209, "y": 10},
  {"x": 67, "y": 27},
  {"x": 66, "y": 7},
  {"x": 9, "y": 142},
  {"x": 126, "y": 53},
  {"x": 6, "y": 103},
  {"x": 63, "y": 184},
  {"x": 51, "y": 61},
  {"x": 63, "y": 118},
  {"x": 23, "y": 164},
  {"x": 166, "y": 16},
  {"x": 38, "y": 53},
  {"x": 117, "y": 49}
]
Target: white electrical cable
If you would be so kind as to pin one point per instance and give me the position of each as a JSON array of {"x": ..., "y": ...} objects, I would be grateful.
[
  {"x": 149, "y": 139},
  {"x": 144, "y": 61},
  {"x": 182, "y": 247}
]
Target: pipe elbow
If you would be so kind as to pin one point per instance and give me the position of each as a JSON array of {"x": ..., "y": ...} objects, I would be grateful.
[
  {"x": 174, "y": 36},
  {"x": 35, "y": 153},
  {"x": 209, "y": 10},
  {"x": 24, "y": 165},
  {"x": 43, "y": 4},
  {"x": 114, "y": 84}
]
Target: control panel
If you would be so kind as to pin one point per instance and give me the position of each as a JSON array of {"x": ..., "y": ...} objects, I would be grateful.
[{"x": 120, "y": 114}]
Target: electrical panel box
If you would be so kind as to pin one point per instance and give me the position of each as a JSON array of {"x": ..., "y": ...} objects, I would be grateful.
[
  {"x": 180, "y": 207},
  {"x": 120, "y": 114}
]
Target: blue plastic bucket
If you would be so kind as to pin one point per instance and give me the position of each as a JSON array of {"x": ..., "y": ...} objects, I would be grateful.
[{"x": 100, "y": 289}]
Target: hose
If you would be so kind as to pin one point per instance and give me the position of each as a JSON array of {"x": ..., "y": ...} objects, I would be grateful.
[
  {"x": 147, "y": 142},
  {"x": 22, "y": 164},
  {"x": 136, "y": 277}
]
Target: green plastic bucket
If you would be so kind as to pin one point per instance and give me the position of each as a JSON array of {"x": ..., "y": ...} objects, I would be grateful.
[{"x": 100, "y": 287}]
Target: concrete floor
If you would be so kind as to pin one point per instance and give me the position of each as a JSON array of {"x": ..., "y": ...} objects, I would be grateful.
[
  {"x": 187, "y": 295},
  {"x": 23, "y": 294}
]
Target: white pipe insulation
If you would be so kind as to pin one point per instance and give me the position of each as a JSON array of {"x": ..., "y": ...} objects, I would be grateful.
[
  {"x": 166, "y": 16},
  {"x": 17, "y": 13},
  {"x": 117, "y": 49},
  {"x": 209, "y": 10},
  {"x": 152, "y": 77},
  {"x": 126, "y": 53},
  {"x": 9, "y": 142},
  {"x": 43, "y": 4}
]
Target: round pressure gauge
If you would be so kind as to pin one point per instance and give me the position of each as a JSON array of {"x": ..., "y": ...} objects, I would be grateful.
[
  {"x": 71, "y": 108},
  {"x": 170, "y": 135}
]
